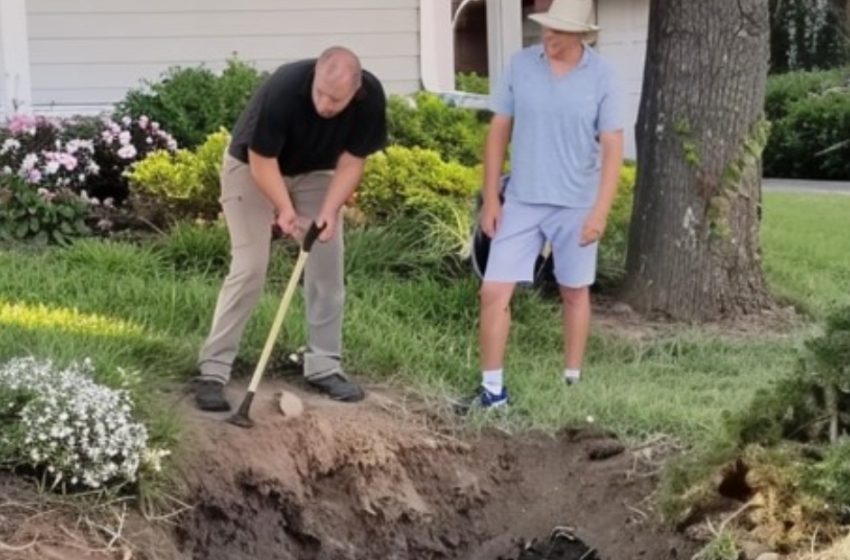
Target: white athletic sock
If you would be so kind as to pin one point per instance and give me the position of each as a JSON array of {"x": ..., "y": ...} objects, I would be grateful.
[
  {"x": 492, "y": 380},
  {"x": 572, "y": 375}
]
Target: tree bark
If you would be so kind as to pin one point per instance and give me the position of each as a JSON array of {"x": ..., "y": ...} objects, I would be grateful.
[{"x": 694, "y": 240}]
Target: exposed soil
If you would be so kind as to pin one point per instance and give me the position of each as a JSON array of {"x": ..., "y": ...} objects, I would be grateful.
[
  {"x": 386, "y": 478},
  {"x": 43, "y": 526}
]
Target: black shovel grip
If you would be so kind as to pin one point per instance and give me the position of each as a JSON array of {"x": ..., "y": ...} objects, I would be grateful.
[{"x": 311, "y": 236}]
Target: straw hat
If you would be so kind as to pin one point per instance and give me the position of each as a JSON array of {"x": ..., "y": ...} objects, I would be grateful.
[{"x": 571, "y": 16}]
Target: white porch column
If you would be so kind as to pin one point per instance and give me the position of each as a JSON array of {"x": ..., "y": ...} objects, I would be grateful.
[
  {"x": 15, "y": 85},
  {"x": 504, "y": 35},
  {"x": 436, "y": 45}
]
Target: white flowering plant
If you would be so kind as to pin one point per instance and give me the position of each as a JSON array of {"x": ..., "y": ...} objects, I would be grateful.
[{"x": 78, "y": 433}]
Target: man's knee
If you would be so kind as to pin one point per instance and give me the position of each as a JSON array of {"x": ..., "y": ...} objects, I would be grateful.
[
  {"x": 496, "y": 294},
  {"x": 575, "y": 296},
  {"x": 249, "y": 271},
  {"x": 330, "y": 297}
]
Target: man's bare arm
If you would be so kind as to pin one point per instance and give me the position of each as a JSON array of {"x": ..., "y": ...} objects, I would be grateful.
[
  {"x": 347, "y": 175},
  {"x": 498, "y": 137},
  {"x": 267, "y": 176},
  {"x": 612, "y": 161}
]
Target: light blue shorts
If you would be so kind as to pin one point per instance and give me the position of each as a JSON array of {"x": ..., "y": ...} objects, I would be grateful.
[{"x": 524, "y": 232}]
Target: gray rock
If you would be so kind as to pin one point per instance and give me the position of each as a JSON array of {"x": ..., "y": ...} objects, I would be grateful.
[{"x": 753, "y": 550}]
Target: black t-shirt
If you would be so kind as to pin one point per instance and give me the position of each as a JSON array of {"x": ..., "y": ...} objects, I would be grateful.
[{"x": 281, "y": 121}]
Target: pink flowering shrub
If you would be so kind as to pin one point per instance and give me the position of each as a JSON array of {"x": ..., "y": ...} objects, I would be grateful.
[
  {"x": 51, "y": 168},
  {"x": 47, "y": 154},
  {"x": 34, "y": 149},
  {"x": 119, "y": 144}
]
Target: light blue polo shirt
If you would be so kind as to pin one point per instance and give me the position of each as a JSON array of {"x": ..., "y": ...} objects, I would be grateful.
[{"x": 555, "y": 153}]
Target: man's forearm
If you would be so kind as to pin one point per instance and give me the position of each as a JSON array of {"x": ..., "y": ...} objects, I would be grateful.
[
  {"x": 267, "y": 176},
  {"x": 494, "y": 156},
  {"x": 346, "y": 177},
  {"x": 612, "y": 162}
]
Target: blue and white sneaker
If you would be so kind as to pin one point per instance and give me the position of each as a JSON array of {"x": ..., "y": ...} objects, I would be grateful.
[{"x": 482, "y": 399}]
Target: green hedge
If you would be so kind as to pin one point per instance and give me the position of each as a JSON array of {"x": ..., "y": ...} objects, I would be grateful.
[
  {"x": 426, "y": 121},
  {"x": 414, "y": 182},
  {"x": 194, "y": 102},
  {"x": 810, "y": 116},
  {"x": 186, "y": 180},
  {"x": 472, "y": 82}
]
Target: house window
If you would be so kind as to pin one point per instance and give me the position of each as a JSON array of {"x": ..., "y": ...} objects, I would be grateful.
[
  {"x": 470, "y": 32},
  {"x": 531, "y": 30}
]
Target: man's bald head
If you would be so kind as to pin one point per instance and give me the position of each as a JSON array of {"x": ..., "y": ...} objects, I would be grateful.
[
  {"x": 338, "y": 64},
  {"x": 338, "y": 77}
]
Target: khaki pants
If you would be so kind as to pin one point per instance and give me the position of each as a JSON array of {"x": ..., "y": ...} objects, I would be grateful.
[{"x": 249, "y": 216}]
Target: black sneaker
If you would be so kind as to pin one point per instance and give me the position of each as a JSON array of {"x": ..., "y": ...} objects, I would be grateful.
[
  {"x": 338, "y": 387},
  {"x": 209, "y": 396}
]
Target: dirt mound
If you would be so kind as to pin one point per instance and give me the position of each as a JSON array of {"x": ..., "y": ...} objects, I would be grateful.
[{"x": 382, "y": 479}]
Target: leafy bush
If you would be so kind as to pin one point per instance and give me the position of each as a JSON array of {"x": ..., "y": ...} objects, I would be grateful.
[
  {"x": 830, "y": 477},
  {"x": 414, "y": 181},
  {"x": 80, "y": 433},
  {"x": 425, "y": 121},
  {"x": 810, "y": 136},
  {"x": 472, "y": 82},
  {"x": 195, "y": 102},
  {"x": 612, "y": 248},
  {"x": 810, "y": 406},
  {"x": 188, "y": 180},
  {"x": 416, "y": 184},
  {"x": 784, "y": 90},
  {"x": 787, "y": 451},
  {"x": 46, "y": 216}
]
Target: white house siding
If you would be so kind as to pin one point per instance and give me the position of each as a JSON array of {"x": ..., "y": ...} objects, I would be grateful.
[
  {"x": 88, "y": 53},
  {"x": 14, "y": 61},
  {"x": 4, "y": 95},
  {"x": 622, "y": 41}
]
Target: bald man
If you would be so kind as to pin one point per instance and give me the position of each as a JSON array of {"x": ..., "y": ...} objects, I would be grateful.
[{"x": 297, "y": 154}]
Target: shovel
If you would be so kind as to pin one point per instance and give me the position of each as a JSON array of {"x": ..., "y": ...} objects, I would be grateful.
[{"x": 289, "y": 403}]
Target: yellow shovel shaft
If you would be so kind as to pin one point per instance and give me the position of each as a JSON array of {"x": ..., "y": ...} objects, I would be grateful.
[{"x": 278, "y": 320}]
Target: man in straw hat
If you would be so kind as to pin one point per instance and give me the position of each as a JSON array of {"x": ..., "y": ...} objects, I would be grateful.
[{"x": 559, "y": 105}]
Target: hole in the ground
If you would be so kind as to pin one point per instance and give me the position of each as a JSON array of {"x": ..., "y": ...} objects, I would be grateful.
[
  {"x": 364, "y": 482},
  {"x": 734, "y": 484},
  {"x": 561, "y": 544}
]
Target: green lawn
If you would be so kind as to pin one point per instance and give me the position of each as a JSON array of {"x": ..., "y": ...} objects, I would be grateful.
[
  {"x": 806, "y": 244},
  {"x": 148, "y": 308}
]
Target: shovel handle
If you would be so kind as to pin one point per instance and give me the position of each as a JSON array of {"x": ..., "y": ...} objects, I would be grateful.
[{"x": 312, "y": 235}]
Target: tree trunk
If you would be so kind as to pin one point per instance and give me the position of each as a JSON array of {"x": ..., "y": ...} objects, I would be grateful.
[{"x": 694, "y": 240}]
